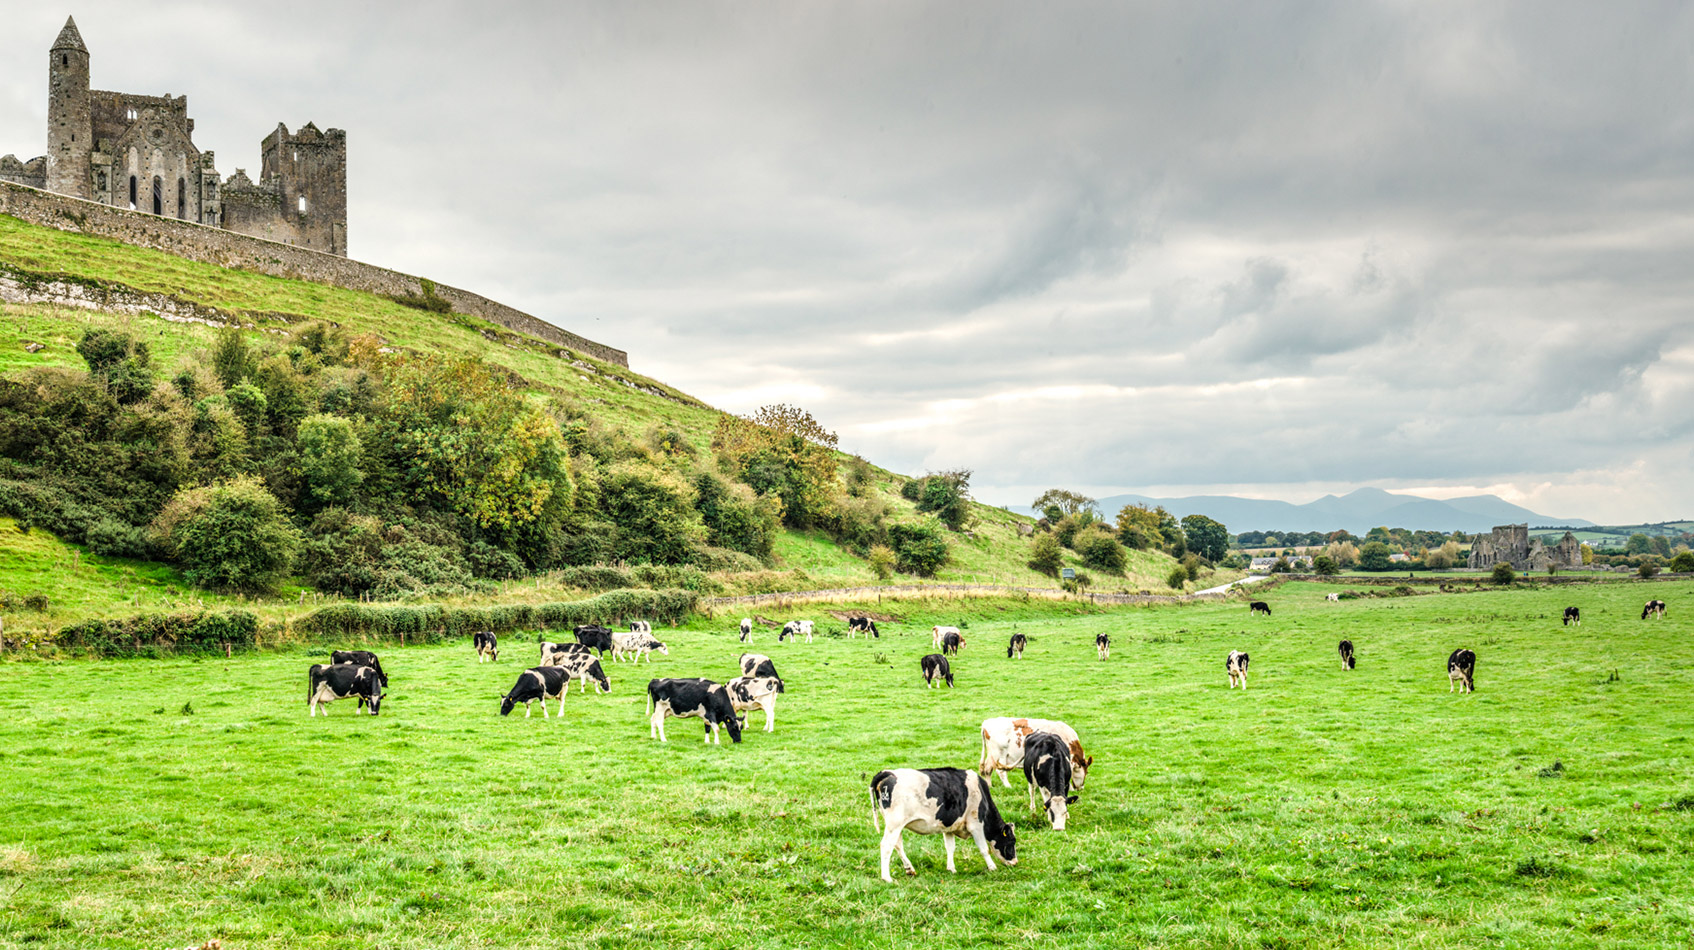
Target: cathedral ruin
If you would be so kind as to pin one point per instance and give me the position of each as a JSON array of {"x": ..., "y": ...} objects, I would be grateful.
[
  {"x": 1511, "y": 544},
  {"x": 137, "y": 152}
]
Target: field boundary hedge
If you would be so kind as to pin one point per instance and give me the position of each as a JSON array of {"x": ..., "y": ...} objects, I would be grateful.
[
  {"x": 214, "y": 631},
  {"x": 929, "y": 590},
  {"x": 429, "y": 623}
]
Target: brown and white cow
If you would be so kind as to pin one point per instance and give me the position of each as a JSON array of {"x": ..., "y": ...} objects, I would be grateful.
[
  {"x": 938, "y": 633},
  {"x": 949, "y": 802},
  {"x": 1003, "y": 741}
]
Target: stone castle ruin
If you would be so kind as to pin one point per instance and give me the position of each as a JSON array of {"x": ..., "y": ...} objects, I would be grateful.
[
  {"x": 137, "y": 152},
  {"x": 1511, "y": 544}
]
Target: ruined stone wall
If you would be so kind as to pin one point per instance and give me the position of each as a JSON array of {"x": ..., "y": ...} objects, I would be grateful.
[{"x": 229, "y": 249}]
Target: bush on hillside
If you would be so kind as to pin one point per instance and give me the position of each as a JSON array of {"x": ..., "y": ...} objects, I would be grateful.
[
  {"x": 233, "y": 536},
  {"x": 434, "y": 622},
  {"x": 1177, "y": 578},
  {"x": 919, "y": 547},
  {"x": 1102, "y": 552},
  {"x": 1683, "y": 562},
  {"x": 883, "y": 561},
  {"x": 947, "y": 496},
  {"x": 1046, "y": 556},
  {"x": 709, "y": 558},
  {"x": 328, "y": 460},
  {"x": 654, "y": 512}
]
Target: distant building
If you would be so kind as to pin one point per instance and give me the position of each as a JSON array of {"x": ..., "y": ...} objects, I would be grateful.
[
  {"x": 137, "y": 152},
  {"x": 1511, "y": 544}
]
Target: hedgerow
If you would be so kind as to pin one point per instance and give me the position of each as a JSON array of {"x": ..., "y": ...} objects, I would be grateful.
[
  {"x": 432, "y": 622},
  {"x": 161, "y": 634}
]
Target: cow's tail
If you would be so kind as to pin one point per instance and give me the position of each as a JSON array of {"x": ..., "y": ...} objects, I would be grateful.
[
  {"x": 649, "y": 699},
  {"x": 875, "y": 826},
  {"x": 982, "y": 763}
]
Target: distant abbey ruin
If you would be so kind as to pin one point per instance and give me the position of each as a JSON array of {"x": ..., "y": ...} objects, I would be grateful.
[
  {"x": 137, "y": 152},
  {"x": 1511, "y": 544}
]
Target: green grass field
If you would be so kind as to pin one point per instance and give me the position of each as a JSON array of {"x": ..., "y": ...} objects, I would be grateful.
[{"x": 1318, "y": 808}]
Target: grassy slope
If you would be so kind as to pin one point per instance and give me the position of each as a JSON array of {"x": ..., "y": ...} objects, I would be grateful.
[
  {"x": 997, "y": 554},
  {"x": 1317, "y": 809}
]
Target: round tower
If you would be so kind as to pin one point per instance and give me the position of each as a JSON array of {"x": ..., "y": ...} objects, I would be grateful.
[{"x": 70, "y": 119}]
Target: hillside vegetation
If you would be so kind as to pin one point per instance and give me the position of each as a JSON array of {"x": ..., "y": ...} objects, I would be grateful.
[{"x": 323, "y": 441}]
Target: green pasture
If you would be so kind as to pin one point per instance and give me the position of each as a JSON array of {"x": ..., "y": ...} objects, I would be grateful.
[{"x": 160, "y": 803}]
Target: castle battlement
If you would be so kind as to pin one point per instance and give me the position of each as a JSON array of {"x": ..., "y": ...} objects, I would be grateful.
[{"x": 137, "y": 152}]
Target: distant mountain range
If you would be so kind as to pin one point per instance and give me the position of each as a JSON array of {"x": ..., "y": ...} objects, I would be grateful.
[{"x": 1357, "y": 511}]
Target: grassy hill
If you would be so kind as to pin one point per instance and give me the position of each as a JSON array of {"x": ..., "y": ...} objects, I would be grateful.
[{"x": 269, "y": 308}]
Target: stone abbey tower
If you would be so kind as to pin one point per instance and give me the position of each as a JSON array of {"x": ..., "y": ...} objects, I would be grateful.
[{"x": 137, "y": 152}]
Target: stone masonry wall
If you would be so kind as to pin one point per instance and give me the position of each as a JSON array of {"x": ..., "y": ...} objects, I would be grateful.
[{"x": 216, "y": 246}]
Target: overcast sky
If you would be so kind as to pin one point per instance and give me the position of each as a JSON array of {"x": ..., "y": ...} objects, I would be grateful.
[{"x": 1273, "y": 249}]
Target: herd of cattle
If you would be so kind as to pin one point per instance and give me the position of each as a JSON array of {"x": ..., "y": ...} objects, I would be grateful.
[{"x": 950, "y": 802}]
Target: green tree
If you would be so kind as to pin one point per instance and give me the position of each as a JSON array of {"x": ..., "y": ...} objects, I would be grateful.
[
  {"x": 1178, "y": 577},
  {"x": 781, "y": 450},
  {"x": 1638, "y": 544},
  {"x": 1206, "y": 537},
  {"x": 1068, "y": 503},
  {"x": 233, "y": 535},
  {"x": 736, "y": 518},
  {"x": 1102, "y": 552},
  {"x": 655, "y": 514},
  {"x": 1374, "y": 557},
  {"x": 1325, "y": 565},
  {"x": 947, "y": 496},
  {"x": 883, "y": 560},
  {"x": 1503, "y": 574},
  {"x": 920, "y": 547},
  {"x": 1046, "y": 556},
  {"x": 1683, "y": 562},
  {"x": 329, "y": 455},
  {"x": 124, "y": 365},
  {"x": 232, "y": 361}
]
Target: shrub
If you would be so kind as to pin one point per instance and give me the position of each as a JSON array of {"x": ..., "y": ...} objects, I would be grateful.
[
  {"x": 1683, "y": 562},
  {"x": 912, "y": 489},
  {"x": 488, "y": 561},
  {"x": 234, "y": 535},
  {"x": 156, "y": 634},
  {"x": 329, "y": 459},
  {"x": 1502, "y": 574},
  {"x": 433, "y": 622},
  {"x": 594, "y": 577},
  {"x": 736, "y": 518},
  {"x": 1102, "y": 552},
  {"x": 708, "y": 558},
  {"x": 1177, "y": 578},
  {"x": 883, "y": 560},
  {"x": 1374, "y": 557},
  {"x": 947, "y": 496},
  {"x": 1647, "y": 568},
  {"x": 118, "y": 360},
  {"x": 1325, "y": 565},
  {"x": 654, "y": 512},
  {"x": 1045, "y": 555},
  {"x": 919, "y": 547}
]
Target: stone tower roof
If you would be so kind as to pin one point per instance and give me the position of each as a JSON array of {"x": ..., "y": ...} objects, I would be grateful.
[{"x": 69, "y": 37}]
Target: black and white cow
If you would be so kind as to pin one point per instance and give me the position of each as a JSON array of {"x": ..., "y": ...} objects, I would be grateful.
[
  {"x": 582, "y": 667},
  {"x": 1236, "y": 666},
  {"x": 951, "y": 642},
  {"x": 746, "y": 629},
  {"x": 935, "y": 669},
  {"x": 1573, "y": 615},
  {"x": 952, "y": 803},
  {"x": 864, "y": 625},
  {"x": 1003, "y": 739},
  {"x": 795, "y": 629},
  {"x": 487, "y": 647},
  {"x": 1345, "y": 648},
  {"x": 757, "y": 664},
  {"x": 1461, "y": 671},
  {"x": 1103, "y": 646},
  {"x": 636, "y": 645},
  {"x": 747, "y": 693},
  {"x": 594, "y": 637},
  {"x": 1654, "y": 608},
  {"x": 640, "y": 626},
  {"x": 1333, "y": 598},
  {"x": 1259, "y": 607},
  {"x": 1014, "y": 650},
  {"x": 1047, "y": 768},
  {"x": 684, "y": 698},
  {"x": 554, "y": 653},
  {"x": 539, "y": 683},
  {"x": 360, "y": 658},
  {"x": 328, "y": 682},
  {"x": 937, "y": 633}
]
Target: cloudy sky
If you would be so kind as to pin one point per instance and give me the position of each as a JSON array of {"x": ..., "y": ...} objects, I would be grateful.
[{"x": 1273, "y": 249}]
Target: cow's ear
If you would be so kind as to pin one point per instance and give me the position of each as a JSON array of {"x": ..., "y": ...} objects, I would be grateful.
[
  {"x": 1071, "y": 799},
  {"x": 1088, "y": 762},
  {"x": 1011, "y": 827}
]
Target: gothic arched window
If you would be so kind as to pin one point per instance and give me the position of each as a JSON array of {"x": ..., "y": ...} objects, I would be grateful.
[
  {"x": 158, "y": 195},
  {"x": 132, "y": 192},
  {"x": 182, "y": 199}
]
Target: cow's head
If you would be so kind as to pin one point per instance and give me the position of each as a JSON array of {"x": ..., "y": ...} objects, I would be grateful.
[
  {"x": 663, "y": 649},
  {"x": 375, "y": 700},
  {"x": 1058, "y": 810},
  {"x": 602, "y": 684},
  {"x": 1005, "y": 842},
  {"x": 506, "y": 705},
  {"x": 779, "y": 687},
  {"x": 734, "y": 724}
]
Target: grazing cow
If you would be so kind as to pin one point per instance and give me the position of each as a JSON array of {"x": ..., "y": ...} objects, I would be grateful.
[
  {"x": 583, "y": 667},
  {"x": 746, "y": 629},
  {"x": 487, "y": 647},
  {"x": 864, "y": 625},
  {"x": 1103, "y": 646},
  {"x": 935, "y": 668},
  {"x": 747, "y": 693},
  {"x": 949, "y": 802},
  {"x": 538, "y": 683},
  {"x": 636, "y": 645},
  {"x": 1259, "y": 607},
  {"x": 594, "y": 637},
  {"x": 951, "y": 642},
  {"x": 552, "y": 654},
  {"x": 1047, "y": 767},
  {"x": 328, "y": 682},
  {"x": 1014, "y": 650},
  {"x": 1334, "y": 597},
  {"x": 1003, "y": 743},
  {"x": 1461, "y": 671},
  {"x": 1236, "y": 666},
  {"x": 640, "y": 626},
  {"x": 757, "y": 664},
  {"x": 684, "y": 698},
  {"x": 1654, "y": 608},
  {"x": 938, "y": 632},
  {"x": 1345, "y": 648},
  {"x": 1573, "y": 615},
  {"x": 794, "y": 629},
  {"x": 360, "y": 658}
]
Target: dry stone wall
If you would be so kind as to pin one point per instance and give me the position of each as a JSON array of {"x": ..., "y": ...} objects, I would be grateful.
[{"x": 209, "y": 245}]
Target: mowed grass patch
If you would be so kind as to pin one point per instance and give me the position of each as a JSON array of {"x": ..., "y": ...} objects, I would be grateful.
[{"x": 1318, "y": 808}]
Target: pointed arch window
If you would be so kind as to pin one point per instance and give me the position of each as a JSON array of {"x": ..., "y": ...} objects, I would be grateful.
[
  {"x": 132, "y": 192},
  {"x": 158, "y": 195},
  {"x": 182, "y": 199}
]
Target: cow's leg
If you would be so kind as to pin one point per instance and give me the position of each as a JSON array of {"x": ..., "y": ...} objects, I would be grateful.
[
  {"x": 562, "y": 694},
  {"x": 1004, "y": 779},
  {"x": 653, "y": 723},
  {"x": 1031, "y": 796},
  {"x": 947, "y": 837},
  {"x": 770, "y": 716},
  {"x": 711, "y": 731},
  {"x": 981, "y": 838},
  {"x": 891, "y": 842}
]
